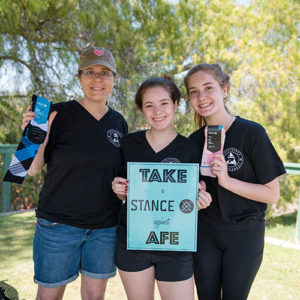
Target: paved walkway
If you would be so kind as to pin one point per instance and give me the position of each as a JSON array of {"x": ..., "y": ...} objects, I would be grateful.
[{"x": 274, "y": 241}]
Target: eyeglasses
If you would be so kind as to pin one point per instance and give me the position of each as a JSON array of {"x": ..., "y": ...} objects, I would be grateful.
[{"x": 101, "y": 75}]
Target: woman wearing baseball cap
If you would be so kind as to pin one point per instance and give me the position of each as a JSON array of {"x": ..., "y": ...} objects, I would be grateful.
[{"x": 77, "y": 209}]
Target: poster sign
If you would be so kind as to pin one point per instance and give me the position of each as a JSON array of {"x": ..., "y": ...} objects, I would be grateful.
[{"x": 161, "y": 206}]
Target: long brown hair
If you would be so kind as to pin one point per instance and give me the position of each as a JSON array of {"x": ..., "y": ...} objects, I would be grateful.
[{"x": 216, "y": 71}]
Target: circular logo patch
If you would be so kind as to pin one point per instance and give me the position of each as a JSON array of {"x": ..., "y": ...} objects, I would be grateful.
[
  {"x": 186, "y": 206},
  {"x": 114, "y": 137},
  {"x": 234, "y": 159},
  {"x": 171, "y": 160}
]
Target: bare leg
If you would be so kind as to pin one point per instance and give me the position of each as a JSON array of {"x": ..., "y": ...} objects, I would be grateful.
[
  {"x": 139, "y": 285},
  {"x": 176, "y": 290},
  {"x": 92, "y": 289},
  {"x": 44, "y": 293}
]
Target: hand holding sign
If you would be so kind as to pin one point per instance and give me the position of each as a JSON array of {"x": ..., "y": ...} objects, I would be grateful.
[
  {"x": 120, "y": 187},
  {"x": 204, "y": 198}
]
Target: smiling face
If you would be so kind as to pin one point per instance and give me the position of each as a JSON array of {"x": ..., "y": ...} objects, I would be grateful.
[
  {"x": 98, "y": 88},
  {"x": 206, "y": 95},
  {"x": 158, "y": 108}
]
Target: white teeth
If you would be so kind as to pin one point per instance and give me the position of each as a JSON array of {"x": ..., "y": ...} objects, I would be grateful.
[
  {"x": 158, "y": 119},
  {"x": 205, "y": 105},
  {"x": 97, "y": 89}
]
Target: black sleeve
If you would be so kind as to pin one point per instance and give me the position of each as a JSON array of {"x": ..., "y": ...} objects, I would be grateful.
[
  {"x": 123, "y": 149},
  {"x": 125, "y": 127},
  {"x": 47, "y": 151},
  {"x": 196, "y": 153},
  {"x": 51, "y": 139},
  {"x": 267, "y": 164},
  {"x": 198, "y": 137}
]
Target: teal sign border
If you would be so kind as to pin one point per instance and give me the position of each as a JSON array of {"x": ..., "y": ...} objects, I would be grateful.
[{"x": 167, "y": 223}]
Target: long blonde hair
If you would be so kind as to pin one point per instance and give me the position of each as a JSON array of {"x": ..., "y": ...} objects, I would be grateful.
[{"x": 222, "y": 78}]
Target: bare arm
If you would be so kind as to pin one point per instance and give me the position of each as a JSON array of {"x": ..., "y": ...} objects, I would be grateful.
[
  {"x": 267, "y": 193},
  {"x": 38, "y": 162}
]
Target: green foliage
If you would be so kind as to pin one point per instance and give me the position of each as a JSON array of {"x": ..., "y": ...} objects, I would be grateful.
[
  {"x": 25, "y": 196},
  {"x": 257, "y": 44},
  {"x": 11, "y": 109}
]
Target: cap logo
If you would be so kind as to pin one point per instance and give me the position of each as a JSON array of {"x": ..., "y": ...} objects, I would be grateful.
[{"x": 98, "y": 52}]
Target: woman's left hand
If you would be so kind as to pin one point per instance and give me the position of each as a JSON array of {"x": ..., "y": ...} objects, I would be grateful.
[
  {"x": 219, "y": 168},
  {"x": 204, "y": 198}
]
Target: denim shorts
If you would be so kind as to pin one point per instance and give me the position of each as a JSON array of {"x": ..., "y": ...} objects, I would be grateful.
[{"x": 61, "y": 251}]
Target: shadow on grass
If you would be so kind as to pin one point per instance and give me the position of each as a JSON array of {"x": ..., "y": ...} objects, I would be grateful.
[
  {"x": 285, "y": 220},
  {"x": 10, "y": 291}
]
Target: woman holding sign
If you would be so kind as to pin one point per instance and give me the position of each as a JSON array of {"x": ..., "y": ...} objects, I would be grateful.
[
  {"x": 242, "y": 181},
  {"x": 158, "y": 99},
  {"x": 77, "y": 210}
]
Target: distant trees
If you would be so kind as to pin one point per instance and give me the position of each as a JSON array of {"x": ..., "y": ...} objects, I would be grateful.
[{"x": 257, "y": 44}]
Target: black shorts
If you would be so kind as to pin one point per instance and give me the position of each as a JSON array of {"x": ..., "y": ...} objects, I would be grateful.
[{"x": 168, "y": 265}]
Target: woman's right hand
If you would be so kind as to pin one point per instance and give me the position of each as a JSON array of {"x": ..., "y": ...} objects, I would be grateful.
[
  {"x": 29, "y": 115},
  {"x": 120, "y": 186}
]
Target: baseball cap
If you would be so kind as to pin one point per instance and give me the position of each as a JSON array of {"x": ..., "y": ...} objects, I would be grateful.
[{"x": 92, "y": 55}]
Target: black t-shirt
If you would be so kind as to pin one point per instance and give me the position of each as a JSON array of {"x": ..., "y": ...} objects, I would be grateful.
[
  {"x": 250, "y": 157},
  {"x": 83, "y": 156},
  {"x": 135, "y": 148}
]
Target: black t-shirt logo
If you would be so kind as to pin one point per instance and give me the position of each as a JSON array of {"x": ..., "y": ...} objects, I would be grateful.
[
  {"x": 186, "y": 206},
  {"x": 114, "y": 137},
  {"x": 234, "y": 159},
  {"x": 171, "y": 160}
]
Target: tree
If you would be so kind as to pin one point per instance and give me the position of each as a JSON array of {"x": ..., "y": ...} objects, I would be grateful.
[
  {"x": 258, "y": 46},
  {"x": 255, "y": 43},
  {"x": 43, "y": 39}
]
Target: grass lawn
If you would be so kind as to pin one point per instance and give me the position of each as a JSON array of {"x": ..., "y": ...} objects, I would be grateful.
[
  {"x": 283, "y": 227},
  {"x": 278, "y": 277}
]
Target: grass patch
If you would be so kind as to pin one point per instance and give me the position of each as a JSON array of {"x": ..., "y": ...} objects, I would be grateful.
[
  {"x": 277, "y": 279},
  {"x": 279, "y": 275},
  {"x": 16, "y": 233},
  {"x": 282, "y": 227}
]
